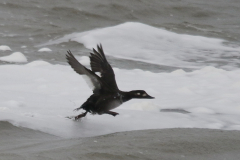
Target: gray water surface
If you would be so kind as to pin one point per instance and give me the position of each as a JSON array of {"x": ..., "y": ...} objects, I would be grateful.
[{"x": 33, "y": 22}]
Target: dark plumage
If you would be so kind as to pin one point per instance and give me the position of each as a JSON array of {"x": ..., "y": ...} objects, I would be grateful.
[{"x": 106, "y": 95}]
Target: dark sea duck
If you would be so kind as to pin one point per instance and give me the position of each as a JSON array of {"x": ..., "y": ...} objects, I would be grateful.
[{"x": 106, "y": 95}]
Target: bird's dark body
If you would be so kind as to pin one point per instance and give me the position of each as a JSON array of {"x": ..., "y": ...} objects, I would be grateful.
[
  {"x": 106, "y": 95},
  {"x": 95, "y": 103}
]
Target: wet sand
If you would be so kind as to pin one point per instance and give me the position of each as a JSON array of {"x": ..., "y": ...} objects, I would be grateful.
[{"x": 17, "y": 143}]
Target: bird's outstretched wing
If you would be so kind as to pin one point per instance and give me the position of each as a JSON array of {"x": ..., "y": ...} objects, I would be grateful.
[
  {"x": 100, "y": 64},
  {"x": 90, "y": 77}
]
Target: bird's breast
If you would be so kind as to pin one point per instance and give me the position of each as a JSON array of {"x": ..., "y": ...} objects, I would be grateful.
[{"x": 109, "y": 102}]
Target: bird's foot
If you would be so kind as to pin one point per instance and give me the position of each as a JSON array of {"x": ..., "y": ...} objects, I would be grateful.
[
  {"x": 77, "y": 117},
  {"x": 112, "y": 113},
  {"x": 80, "y": 116},
  {"x": 70, "y": 117}
]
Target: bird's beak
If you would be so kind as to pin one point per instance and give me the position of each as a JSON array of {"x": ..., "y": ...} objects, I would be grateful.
[{"x": 149, "y": 97}]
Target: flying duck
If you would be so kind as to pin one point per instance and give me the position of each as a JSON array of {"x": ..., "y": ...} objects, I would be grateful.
[{"x": 106, "y": 95}]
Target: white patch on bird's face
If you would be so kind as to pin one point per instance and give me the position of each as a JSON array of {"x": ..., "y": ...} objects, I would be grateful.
[
  {"x": 138, "y": 94},
  {"x": 144, "y": 95}
]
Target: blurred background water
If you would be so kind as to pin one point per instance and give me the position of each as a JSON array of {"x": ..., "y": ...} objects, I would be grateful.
[{"x": 26, "y": 24}]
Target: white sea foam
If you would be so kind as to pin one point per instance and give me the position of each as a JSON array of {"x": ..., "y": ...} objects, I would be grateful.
[
  {"x": 44, "y": 50},
  {"x": 142, "y": 42},
  {"x": 17, "y": 57},
  {"x": 40, "y": 95},
  {"x": 84, "y": 60},
  {"x": 38, "y": 63},
  {"x": 5, "y": 48}
]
